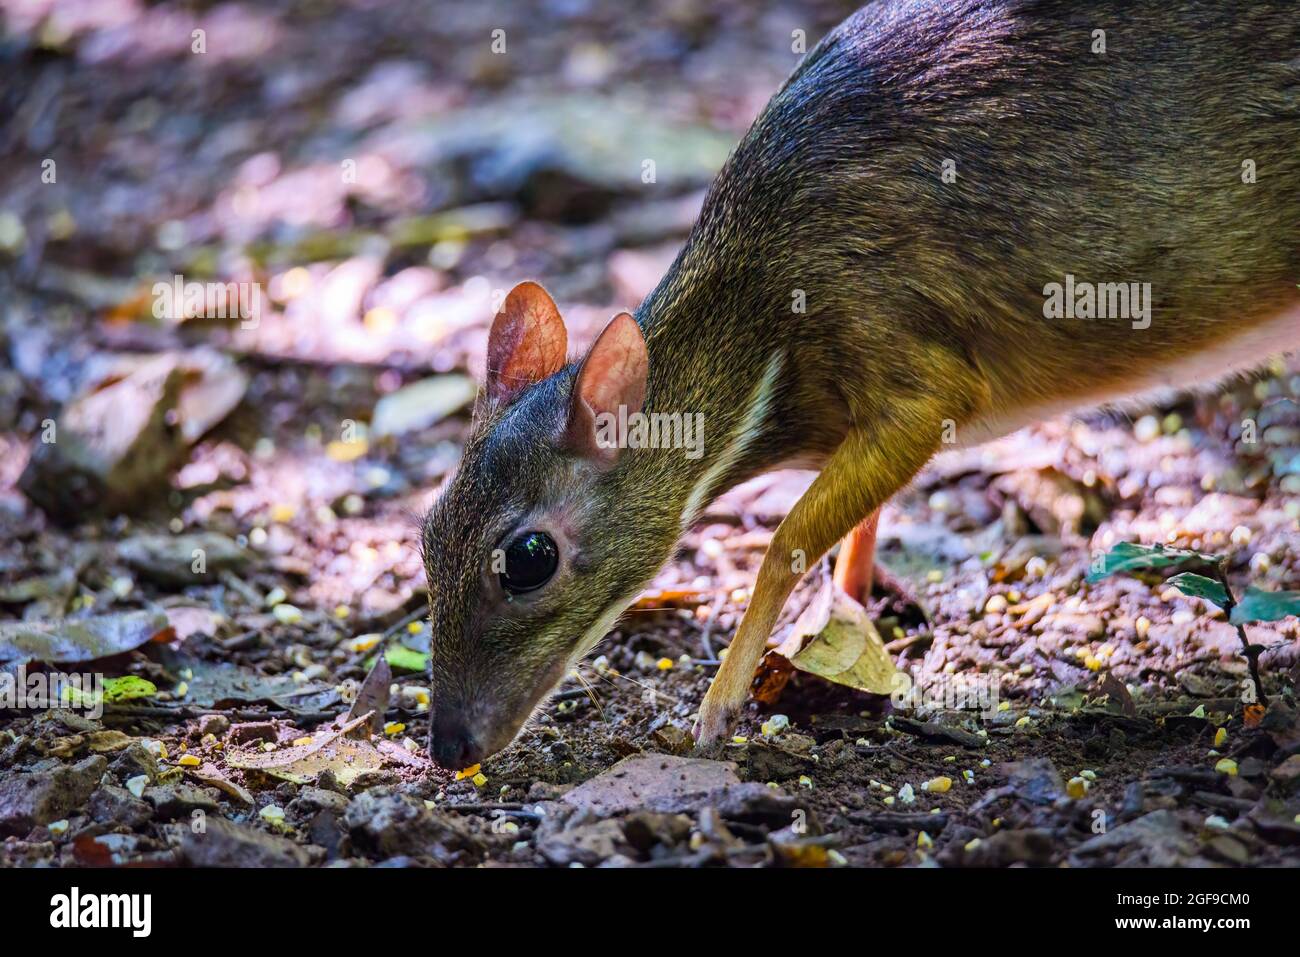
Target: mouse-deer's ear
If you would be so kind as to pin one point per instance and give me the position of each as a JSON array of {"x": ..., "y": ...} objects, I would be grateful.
[
  {"x": 612, "y": 378},
  {"x": 528, "y": 342}
]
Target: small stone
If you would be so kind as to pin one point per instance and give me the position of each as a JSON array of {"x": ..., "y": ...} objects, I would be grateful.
[{"x": 40, "y": 797}]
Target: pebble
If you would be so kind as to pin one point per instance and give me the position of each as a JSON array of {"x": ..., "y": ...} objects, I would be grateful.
[{"x": 287, "y": 614}]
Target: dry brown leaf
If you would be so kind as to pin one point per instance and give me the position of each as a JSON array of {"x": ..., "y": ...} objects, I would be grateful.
[
  {"x": 348, "y": 758},
  {"x": 102, "y": 742},
  {"x": 677, "y": 597},
  {"x": 835, "y": 639},
  {"x": 209, "y": 773}
]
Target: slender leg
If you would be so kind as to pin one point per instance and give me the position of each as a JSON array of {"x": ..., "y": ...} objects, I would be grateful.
[
  {"x": 855, "y": 567},
  {"x": 859, "y": 476}
]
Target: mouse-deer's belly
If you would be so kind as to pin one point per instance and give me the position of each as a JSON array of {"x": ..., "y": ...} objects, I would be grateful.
[{"x": 1248, "y": 348}]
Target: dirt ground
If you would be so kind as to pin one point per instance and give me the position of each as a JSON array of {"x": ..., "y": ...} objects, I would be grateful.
[{"x": 1118, "y": 732}]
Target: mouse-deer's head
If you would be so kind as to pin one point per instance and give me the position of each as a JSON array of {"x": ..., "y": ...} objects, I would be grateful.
[{"x": 544, "y": 535}]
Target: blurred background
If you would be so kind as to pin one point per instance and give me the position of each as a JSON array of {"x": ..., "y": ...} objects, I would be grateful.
[
  {"x": 379, "y": 175},
  {"x": 368, "y": 179}
]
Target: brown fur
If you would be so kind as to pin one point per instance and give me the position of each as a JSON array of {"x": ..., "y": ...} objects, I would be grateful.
[{"x": 924, "y": 298}]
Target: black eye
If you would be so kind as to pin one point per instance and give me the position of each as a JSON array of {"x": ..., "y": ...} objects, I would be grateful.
[{"x": 531, "y": 560}]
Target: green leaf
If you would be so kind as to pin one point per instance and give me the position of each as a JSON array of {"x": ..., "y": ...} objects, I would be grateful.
[
  {"x": 1198, "y": 586},
  {"x": 402, "y": 658},
  {"x": 1131, "y": 557},
  {"x": 115, "y": 689},
  {"x": 128, "y": 687},
  {"x": 1260, "y": 605}
]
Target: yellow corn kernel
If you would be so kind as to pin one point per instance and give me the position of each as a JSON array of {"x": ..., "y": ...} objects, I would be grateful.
[
  {"x": 364, "y": 642},
  {"x": 479, "y": 780},
  {"x": 1221, "y": 737},
  {"x": 664, "y": 664},
  {"x": 1077, "y": 787},
  {"x": 1227, "y": 766},
  {"x": 469, "y": 772},
  {"x": 394, "y": 728},
  {"x": 189, "y": 761},
  {"x": 937, "y": 785}
]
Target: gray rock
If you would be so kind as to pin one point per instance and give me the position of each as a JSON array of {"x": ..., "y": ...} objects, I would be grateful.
[
  {"x": 115, "y": 805},
  {"x": 644, "y": 829},
  {"x": 311, "y": 799},
  {"x": 1158, "y": 839},
  {"x": 222, "y": 843},
  {"x": 181, "y": 800},
  {"x": 389, "y": 823},
  {"x": 1035, "y": 780},
  {"x": 587, "y": 844},
  {"x": 660, "y": 782},
  {"x": 171, "y": 559},
  {"x": 135, "y": 761},
  {"x": 1035, "y": 847},
  {"x": 566, "y": 156},
  {"x": 759, "y": 804},
  {"x": 775, "y": 762},
  {"x": 40, "y": 797}
]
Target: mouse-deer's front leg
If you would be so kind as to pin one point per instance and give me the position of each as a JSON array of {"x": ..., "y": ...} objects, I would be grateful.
[{"x": 866, "y": 469}]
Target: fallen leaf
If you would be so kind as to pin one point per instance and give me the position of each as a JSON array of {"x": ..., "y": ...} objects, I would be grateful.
[
  {"x": 422, "y": 404},
  {"x": 835, "y": 639},
  {"x": 372, "y": 698},
  {"x": 406, "y": 659},
  {"x": 221, "y": 684},
  {"x": 78, "y": 639},
  {"x": 208, "y": 773},
  {"x": 347, "y": 758},
  {"x": 1118, "y": 693},
  {"x": 127, "y": 688}
]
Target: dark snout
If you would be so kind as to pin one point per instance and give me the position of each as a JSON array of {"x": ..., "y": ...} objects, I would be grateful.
[{"x": 453, "y": 744}]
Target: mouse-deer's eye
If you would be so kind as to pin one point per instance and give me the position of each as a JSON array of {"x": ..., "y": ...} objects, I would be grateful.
[{"x": 530, "y": 561}]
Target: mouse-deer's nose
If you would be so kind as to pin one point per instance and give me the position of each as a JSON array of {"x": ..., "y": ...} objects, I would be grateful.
[{"x": 454, "y": 746}]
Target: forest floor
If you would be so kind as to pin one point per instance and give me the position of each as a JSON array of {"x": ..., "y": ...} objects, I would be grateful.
[{"x": 294, "y": 455}]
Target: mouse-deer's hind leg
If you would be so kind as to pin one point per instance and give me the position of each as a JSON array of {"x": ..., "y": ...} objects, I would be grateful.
[
  {"x": 857, "y": 572},
  {"x": 855, "y": 566}
]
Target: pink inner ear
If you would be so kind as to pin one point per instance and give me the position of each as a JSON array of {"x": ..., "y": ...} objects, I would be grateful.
[
  {"x": 614, "y": 372},
  {"x": 528, "y": 342}
]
